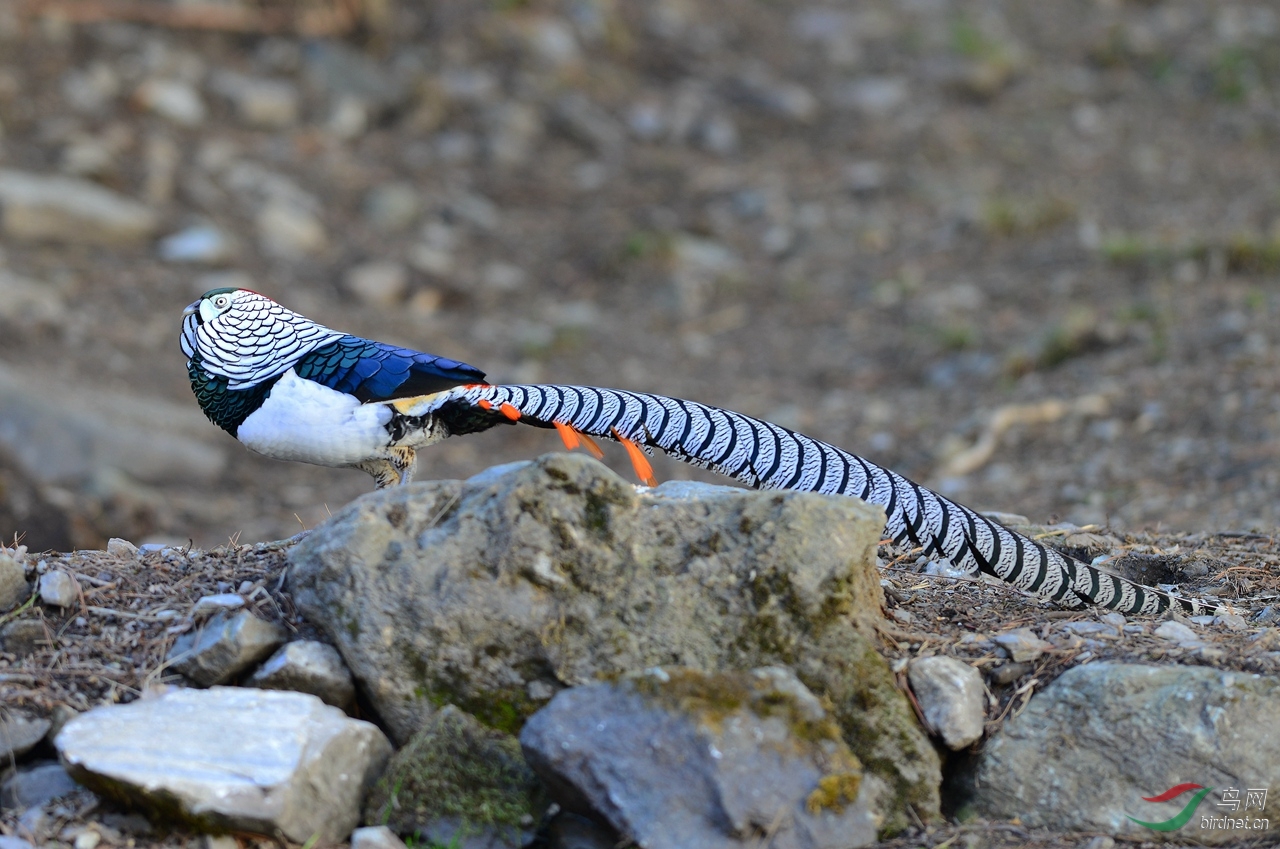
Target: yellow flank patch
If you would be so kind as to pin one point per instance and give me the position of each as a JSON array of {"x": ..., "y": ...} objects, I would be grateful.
[{"x": 406, "y": 406}]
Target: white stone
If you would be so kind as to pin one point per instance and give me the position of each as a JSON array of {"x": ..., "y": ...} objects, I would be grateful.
[
  {"x": 58, "y": 589},
  {"x": 375, "y": 837},
  {"x": 202, "y": 243},
  {"x": 218, "y": 601},
  {"x": 172, "y": 100},
  {"x": 950, "y": 693},
  {"x": 232, "y": 759}
]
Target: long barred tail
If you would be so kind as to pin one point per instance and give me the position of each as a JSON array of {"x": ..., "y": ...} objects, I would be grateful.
[{"x": 767, "y": 456}]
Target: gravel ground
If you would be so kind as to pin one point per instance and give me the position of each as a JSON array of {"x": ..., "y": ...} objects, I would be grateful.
[{"x": 110, "y": 646}]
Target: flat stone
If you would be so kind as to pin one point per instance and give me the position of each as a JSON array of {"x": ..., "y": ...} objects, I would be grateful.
[
  {"x": 375, "y": 837},
  {"x": 38, "y": 207},
  {"x": 952, "y": 697},
  {"x": 1088, "y": 750},
  {"x": 216, "y": 602},
  {"x": 1022, "y": 644},
  {"x": 676, "y": 757},
  {"x": 35, "y": 785},
  {"x": 19, "y": 734},
  {"x": 494, "y": 595},
  {"x": 58, "y": 589},
  {"x": 1179, "y": 633},
  {"x": 307, "y": 666},
  {"x": 13, "y": 582},
  {"x": 231, "y": 759},
  {"x": 7, "y": 842},
  {"x": 458, "y": 783},
  {"x": 224, "y": 647}
]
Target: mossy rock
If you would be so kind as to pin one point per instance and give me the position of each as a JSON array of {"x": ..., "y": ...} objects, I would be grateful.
[
  {"x": 496, "y": 594},
  {"x": 458, "y": 776}
]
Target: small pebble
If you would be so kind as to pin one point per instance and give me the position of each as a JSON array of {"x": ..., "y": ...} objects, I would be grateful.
[
  {"x": 121, "y": 548},
  {"x": 1022, "y": 645},
  {"x": 58, "y": 589},
  {"x": 1007, "y": 673},
  {"x": 1231, "y": 621},
  {"x": 221, "y": 601},
  {"x": 1179, "y": 633},
  {"x": 199, "y": 244}
]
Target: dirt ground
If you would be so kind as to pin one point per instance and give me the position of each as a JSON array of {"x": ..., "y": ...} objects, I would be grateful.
[
  {"x": 885, "y": 224},
  {"x": 1026, "y": 254}
]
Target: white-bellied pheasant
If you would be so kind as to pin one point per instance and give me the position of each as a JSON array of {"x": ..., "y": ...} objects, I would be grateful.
[{"x": 292, "y": 389}]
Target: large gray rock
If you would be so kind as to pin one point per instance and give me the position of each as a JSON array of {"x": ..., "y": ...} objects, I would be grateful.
[
  {"x": 224, "y": 646},
  {"x": 495, "y": 594},
  {"x": 458, "y": 783},
  {"x": 36, "y": 785},
  {"x": 64, "y": 209},
  {"x": 19, "y": 734},
  {"x": 1103, "y": 737},
  {"x": 951, "y": 697},
  {"x": 234, "y": 759},
  {"x": 675, "y": 757},
  {"x": 307, "y": 666}
]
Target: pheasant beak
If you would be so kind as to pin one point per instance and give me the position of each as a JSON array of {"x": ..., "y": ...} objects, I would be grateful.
[{"x": 191, "y": 309}]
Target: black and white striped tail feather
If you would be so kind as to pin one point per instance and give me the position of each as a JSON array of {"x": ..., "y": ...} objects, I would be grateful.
[{"x": 767, "y": 456}]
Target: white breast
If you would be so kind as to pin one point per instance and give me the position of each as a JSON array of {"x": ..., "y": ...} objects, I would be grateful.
[{"x": 302, "y": 420}]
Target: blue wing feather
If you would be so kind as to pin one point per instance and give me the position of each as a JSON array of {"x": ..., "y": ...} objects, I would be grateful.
[{"x": 376, "y": 371}]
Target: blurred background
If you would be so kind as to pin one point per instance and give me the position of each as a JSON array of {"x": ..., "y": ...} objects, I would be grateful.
[{"x": 1026, "y": 254}]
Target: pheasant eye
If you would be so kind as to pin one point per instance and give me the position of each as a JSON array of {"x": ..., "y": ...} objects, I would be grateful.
[{"x": 220, "y": 301}]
